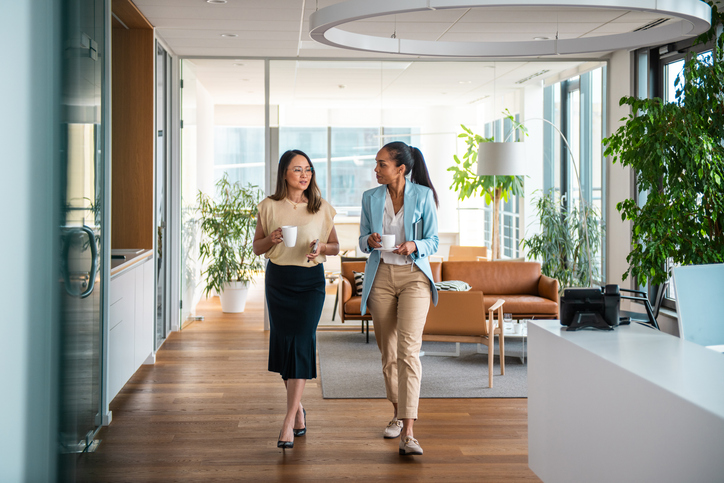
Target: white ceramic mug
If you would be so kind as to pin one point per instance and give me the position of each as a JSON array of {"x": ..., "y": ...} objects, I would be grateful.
[
  {"x": 289, "y": 234},
  {"x": 388, "y": 241}
]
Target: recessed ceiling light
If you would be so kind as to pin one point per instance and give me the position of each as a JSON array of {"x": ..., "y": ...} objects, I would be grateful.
[
  {"x": 465, "y": 82},
  {"x": 341, "y": 86},
  {"x": 541, "y": 38},
  {"x": 216, "y": 2},
  {"x": 239, "y": 65},
  {"x": 229, "y": 36}
]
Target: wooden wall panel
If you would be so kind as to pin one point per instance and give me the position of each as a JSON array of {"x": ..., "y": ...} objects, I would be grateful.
[
  {"x": 133, "y": 138},
  {"x": 129, "y": 14}
]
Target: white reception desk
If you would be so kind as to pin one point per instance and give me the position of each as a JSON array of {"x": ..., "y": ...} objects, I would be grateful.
[{"x": 630, "y": 405}]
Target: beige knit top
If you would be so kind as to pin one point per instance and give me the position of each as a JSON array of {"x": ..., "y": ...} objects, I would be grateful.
[{"x": 274, "y": 214}]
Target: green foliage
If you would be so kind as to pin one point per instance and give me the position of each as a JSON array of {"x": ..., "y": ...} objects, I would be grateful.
[
  {"x": 228, "y": 224},
  {"x": 561, "y": 244},
  {"x": 466, "y": 181},
  {"x": 677, "y": 153}
]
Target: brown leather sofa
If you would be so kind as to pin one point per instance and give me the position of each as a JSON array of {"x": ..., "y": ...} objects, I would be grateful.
[{"x": 527, "y": 294}]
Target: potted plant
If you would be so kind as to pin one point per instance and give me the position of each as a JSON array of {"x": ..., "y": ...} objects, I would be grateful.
[
  {"x": 561, "y": 243},
  {"x": 228, "y": 223},
  {"x": 467, "y": 183},
  {"x": 675, "y": 150}
]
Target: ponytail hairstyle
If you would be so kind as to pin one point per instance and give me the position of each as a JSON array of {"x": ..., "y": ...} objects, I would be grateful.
[
  {"x": 414, "y": 164},
  {"x": 313, "y": 194}
]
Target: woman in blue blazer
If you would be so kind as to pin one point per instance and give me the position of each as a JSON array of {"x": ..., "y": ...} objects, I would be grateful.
[{"x": 398, "y": 284}]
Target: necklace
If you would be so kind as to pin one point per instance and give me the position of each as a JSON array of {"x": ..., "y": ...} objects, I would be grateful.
[{"x": 295, "y": 204}]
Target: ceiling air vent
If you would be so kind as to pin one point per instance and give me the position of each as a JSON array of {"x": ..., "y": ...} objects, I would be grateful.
[
  {"x": 652, "y": 24},
  {"x": 526, "y": 79}
]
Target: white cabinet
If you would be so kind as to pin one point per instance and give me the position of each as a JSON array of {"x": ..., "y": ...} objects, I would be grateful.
[
  {"x": 143, "y": 340},
  {"x": 130, "y": 324}
]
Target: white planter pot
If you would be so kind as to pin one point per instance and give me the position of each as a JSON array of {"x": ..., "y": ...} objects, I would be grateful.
[{"x": 233, "y": 297}]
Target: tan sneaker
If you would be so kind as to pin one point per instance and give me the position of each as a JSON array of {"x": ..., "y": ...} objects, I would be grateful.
[
  {"x": 409, "y": 445},
  {"x": 393, "y": 429}
]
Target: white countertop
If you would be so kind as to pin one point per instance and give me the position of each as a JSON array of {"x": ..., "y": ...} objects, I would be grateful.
[
  {"x": 133, "y": 256},
  {"x": 688, "y": 370}
]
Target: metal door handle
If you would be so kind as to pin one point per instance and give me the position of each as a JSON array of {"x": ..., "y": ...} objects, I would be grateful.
[{"x": 94, "y": 263}]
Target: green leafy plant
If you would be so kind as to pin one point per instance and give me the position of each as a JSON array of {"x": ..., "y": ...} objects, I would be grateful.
[
  {"x": 467, "y": 183},
  {"x": 561, "y": 243},
  {"x": 676, "y": 152},
  {"x": 228, "y": 223}
]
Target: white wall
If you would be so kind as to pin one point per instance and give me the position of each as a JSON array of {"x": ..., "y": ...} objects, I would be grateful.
[
  {"x": 619, "y": 179},
  {"x": 28, "y": 136},
  {"x": 204, "y": 139}
]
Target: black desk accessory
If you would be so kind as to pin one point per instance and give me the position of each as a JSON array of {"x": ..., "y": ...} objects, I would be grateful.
[{"x": 592, "y": 307}]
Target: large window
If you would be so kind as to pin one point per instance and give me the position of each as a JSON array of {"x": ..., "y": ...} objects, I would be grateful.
[{"x": 575, "y": 106}]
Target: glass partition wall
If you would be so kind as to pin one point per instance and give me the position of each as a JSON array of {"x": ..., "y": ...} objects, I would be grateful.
[{"x": 341, "y": 112}]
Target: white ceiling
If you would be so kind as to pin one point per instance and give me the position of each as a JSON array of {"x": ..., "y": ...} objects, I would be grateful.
[
  {"x": 274, "y": 28},
  {"x": 279, "y": 28}
]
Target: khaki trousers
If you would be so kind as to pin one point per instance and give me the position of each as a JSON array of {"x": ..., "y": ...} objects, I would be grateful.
[{"x": 399, "y": 301}]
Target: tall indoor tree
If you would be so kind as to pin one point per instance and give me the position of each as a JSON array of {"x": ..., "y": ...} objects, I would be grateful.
[{"x": 676, "y": 150}]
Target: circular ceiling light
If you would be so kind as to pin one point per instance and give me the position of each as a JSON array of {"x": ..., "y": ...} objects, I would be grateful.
[
  {"x": 694, "y": 16},
  {"x": 229, "y": 36},
  {"x": 216, "y": 2}
]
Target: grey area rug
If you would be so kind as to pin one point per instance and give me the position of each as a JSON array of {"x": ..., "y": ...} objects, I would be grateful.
[{"x": 351, "y": 369}]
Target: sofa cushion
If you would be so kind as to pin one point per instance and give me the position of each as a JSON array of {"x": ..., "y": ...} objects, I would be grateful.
[
  {"x": 494, "y": 278},
  {"x": 452, "y": 286},
  {"x": 524, "y": 305},
  {"x": 359, "y": 281},
  {"x": 353, "y": 306}
]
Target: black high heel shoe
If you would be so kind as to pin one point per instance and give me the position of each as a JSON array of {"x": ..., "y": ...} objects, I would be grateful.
[
  {"x": 303, "y": 431},
  {"x": 284, "y": 444}
]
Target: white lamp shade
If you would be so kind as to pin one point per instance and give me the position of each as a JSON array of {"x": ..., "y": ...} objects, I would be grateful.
[{"x": 502, "y": 159}]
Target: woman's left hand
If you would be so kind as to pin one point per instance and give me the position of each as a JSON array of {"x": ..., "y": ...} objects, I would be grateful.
[{"x": 407, "y": 248}]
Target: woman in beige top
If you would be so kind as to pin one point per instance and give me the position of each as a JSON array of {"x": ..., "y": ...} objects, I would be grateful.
[{"x": 294, "y": 281}]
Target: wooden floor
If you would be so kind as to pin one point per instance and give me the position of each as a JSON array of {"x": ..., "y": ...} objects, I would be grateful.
[{"x": 209, "y": 410}]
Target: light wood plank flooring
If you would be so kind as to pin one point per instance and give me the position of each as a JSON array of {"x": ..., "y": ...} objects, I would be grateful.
[{"x": 209, "y": 410}]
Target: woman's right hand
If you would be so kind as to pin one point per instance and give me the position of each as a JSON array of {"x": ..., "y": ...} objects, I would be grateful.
[
  {"x": 276, "y": 236},
  {"x": 374, "y": 240}
]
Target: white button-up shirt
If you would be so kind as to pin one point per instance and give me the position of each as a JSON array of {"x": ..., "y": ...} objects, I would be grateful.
[{"x": 394, "y": 224}]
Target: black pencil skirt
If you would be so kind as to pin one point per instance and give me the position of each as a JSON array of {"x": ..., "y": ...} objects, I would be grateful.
[{"x": 294, "y": 297}]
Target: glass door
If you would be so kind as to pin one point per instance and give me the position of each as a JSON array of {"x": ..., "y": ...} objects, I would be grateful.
[
  {"x": 163, "y": 72},
  {"x": 82, "y": 228}
]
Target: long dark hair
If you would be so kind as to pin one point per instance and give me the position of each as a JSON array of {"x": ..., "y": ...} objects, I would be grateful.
[
  {"x": 414, "y": 164},
  {"x": 313, "y": 194}
]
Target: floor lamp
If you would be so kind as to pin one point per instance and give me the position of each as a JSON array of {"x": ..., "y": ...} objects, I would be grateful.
[{"x": 509, "y": 159}]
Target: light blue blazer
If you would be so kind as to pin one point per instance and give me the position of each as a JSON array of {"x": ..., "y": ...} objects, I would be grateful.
[{"x": 419, "y": 205}]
